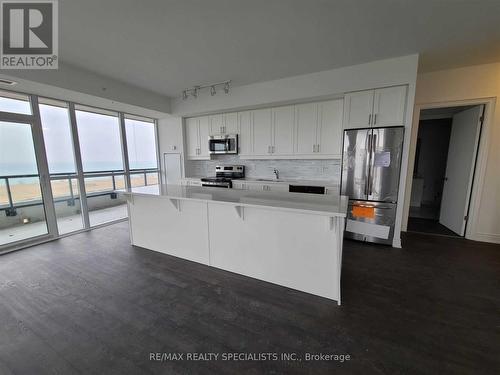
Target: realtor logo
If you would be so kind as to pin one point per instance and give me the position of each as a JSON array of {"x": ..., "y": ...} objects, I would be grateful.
[{"x": 29, "y": 34}]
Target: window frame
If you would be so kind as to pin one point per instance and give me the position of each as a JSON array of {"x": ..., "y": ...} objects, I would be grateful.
[{"x": 46, "y": 177}]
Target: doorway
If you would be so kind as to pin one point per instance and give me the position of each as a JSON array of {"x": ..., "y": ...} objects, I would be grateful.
[{"x": 445, "y": 159}]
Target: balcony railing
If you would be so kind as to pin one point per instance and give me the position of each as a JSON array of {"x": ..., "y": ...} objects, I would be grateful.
[{"x": 12, "y": 204}]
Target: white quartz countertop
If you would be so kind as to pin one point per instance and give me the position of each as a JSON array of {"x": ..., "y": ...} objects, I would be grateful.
[{"x": 326, "y": 205}]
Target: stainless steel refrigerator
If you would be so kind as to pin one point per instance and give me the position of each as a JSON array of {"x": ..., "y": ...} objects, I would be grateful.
[{"x": 371, "y": 164}]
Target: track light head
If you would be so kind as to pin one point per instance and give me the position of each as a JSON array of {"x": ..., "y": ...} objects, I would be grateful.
[
  {"x": 184, "y": 95},
  {"x": 226, "y": 87},
  {"x": 212, "y": 90}
]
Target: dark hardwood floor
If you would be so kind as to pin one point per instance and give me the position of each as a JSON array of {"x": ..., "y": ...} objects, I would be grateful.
[
  {"x": 432, "y": 226},
  {"x": 93, "y": 304}
]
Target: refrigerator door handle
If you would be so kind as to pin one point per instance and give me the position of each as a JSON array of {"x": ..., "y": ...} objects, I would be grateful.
[
  {"x": 373, "y": 147},
  {"x": 368, "y": 161}
]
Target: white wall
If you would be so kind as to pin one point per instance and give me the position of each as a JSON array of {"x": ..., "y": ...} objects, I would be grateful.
[
  {"x": 320, "y": 85},
  {"x": 80, "y": 86},
  {"x": 465, "y": 84}
]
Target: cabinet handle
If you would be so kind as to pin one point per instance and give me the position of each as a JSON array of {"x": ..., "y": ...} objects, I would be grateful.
[
  {"x": 314, "y": 148},
  {"x": 369, "y": 119},
  {"x": 272, "y": 149},
  {"x": 317, "y": 148},
  {"x": 374, "y": 119}
]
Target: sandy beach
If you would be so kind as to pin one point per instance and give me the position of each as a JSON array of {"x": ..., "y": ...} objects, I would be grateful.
[{"x": 22, "y": 192}]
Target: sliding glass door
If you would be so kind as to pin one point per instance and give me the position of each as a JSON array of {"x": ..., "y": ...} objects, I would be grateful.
[
  {"x": 61, "y": 164},
  {"x": 101, "y": 149},
  {"x": 58, "y": 141}
]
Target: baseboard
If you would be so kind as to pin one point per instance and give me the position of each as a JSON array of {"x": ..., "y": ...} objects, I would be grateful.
[{"x": 486, "y": 237}]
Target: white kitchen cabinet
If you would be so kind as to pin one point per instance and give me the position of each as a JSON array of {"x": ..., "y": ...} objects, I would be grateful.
[
  {"x": 192, "y": 138},
  {"x": 306, "y": 128},
  {"x": 196, "y": 131},
  {"x": 191, "y": 181},
  {"x": 231, "y": 123},
  {"x": 389, "y": 106},
  {"x": 319, "y": 129},
  {"x": 278, "y": 187},
  {"x": 330, "y": 132},
  {"x": 204, "y": 133},
  {"x": 358, "y": 109},
  {"x": 375, "y": 108},
  {"x": 260, "y": 185},
  {"x": 262, "y": 131},
  {"x": 216, "y": 124},
  {"x": 245, "y": 133},
  {"x": 223, "y": 123},
  {"x": 240, "y": 185},
  {"x": 283, "y": 126}
]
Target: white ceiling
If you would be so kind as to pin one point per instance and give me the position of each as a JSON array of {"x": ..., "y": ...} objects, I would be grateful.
[{"x": 167, "y": 45}]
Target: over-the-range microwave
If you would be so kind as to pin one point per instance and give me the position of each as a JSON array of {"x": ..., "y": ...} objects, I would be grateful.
[{"x": 223, "y": 144}]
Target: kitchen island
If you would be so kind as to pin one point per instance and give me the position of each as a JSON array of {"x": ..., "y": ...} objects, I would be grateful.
[{"x": 289, "y": 239}]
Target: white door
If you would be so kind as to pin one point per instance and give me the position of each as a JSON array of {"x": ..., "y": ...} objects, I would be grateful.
[
  {"x": 230, "y": 123},
  {"x": 307, "y": 124},
  {"x": 358, "y": 107},
  {"x": 192, "y": 137},
  {"x": 330, "y": 127},
  {"x": 204, "y": 133},
  {"x": 216, "y": 124},
  {"x": 389, "y": 106},
  {"x": 460, "y": 168},
  {"x": 172, "y": 168},
  {"x": 245, "y": 132},
  {"x": 262, "y": 129},
  {"x": 283, "y": 124}
]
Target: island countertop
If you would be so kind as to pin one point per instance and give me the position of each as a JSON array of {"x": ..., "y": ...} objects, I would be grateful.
[{"x": 326, "y": 205}]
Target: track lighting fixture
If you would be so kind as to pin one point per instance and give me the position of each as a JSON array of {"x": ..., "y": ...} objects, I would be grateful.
[{"x": 195, "y": 90}]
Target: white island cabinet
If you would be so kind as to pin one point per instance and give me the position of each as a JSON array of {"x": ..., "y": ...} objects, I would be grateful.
[{"x": 289, "y": 239}]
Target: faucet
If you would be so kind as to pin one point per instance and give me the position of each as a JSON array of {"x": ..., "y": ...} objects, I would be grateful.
[{"x": 276, "y": 173}]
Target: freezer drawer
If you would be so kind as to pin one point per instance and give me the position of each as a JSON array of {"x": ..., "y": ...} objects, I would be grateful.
[{"x": 371, "y": 221}]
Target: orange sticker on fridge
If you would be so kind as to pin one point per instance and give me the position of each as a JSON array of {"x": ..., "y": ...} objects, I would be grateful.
[{"x": 363, "y": 211}]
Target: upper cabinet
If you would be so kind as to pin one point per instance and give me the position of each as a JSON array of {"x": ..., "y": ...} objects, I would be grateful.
[
  {"x": 262, "y": 131},
  {"x": 375, "y": 108},
  {"x": 329, "y": 134},
  {"x": 389, "y": 106},
  {"x": 196, "y": 132},
  {"x": 245, "y": 137},
  {"x": 283, "y": 119},
  {"x": 358, "y": 109},
  {"x": 306, "y": 127},
  {"x": 272, "y": 130},
  {"x": 319, "y": 129},
  {"x": 224, "y": 123}
]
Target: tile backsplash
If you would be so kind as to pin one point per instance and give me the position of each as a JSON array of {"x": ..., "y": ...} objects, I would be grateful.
[{"x": 326, "y": 169}]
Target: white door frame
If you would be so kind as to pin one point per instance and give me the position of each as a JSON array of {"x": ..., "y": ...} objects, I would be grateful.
[{"x": 480, "y": 167}]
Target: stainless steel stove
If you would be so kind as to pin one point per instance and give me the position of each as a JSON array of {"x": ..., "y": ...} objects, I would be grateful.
[{"x": 223, "y": 176}]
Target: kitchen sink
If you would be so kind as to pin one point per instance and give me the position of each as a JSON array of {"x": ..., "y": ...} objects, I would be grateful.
[{"x": 268, "y": 179}]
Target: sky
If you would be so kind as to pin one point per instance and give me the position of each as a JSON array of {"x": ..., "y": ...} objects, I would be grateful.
[{"x": 99, "y": 137}]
